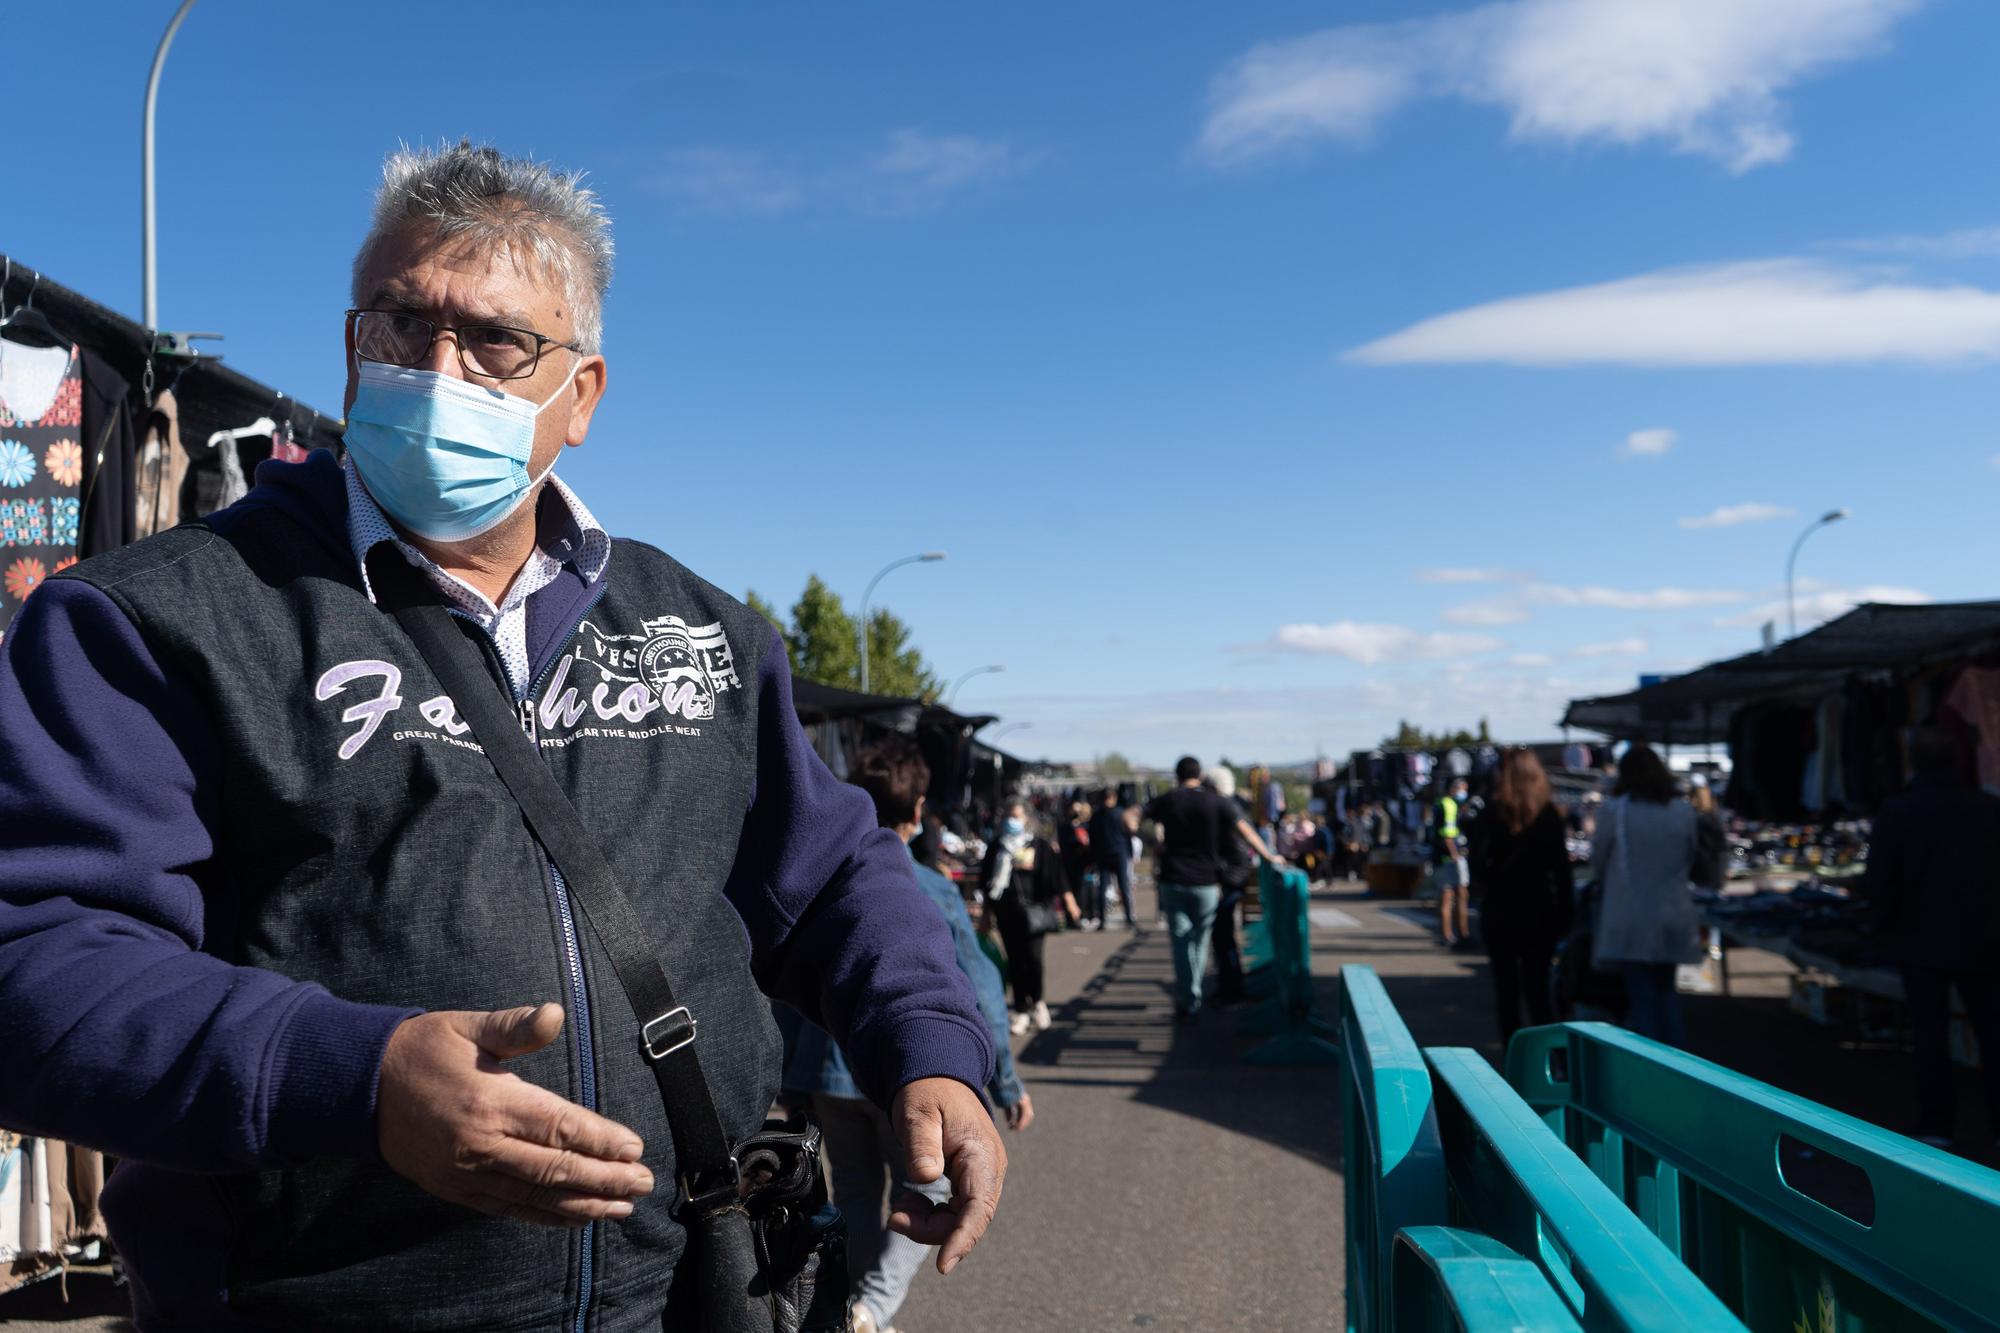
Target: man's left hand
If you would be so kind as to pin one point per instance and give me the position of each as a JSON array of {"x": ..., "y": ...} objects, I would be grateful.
[{"x": 944, "y": 1130}]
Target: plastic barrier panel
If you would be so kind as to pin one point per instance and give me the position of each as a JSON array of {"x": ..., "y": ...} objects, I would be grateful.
[
  {"x": 1287, "y": 1013},
  {"x": 1802, "y": 1219},
  {"x": 1514, "y": 1180},
  {"x": 1449, "y": 1281},
  {"x": 1390, "y": 1158}
]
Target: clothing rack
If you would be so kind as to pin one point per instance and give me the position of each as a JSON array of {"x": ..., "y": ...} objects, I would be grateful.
[{"x": 212, "y": 396}]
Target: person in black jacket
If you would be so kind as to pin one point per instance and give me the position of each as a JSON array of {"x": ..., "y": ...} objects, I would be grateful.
[
  {"x": 1933, "y": 881},
  {"x": 1521, "y": 874}
]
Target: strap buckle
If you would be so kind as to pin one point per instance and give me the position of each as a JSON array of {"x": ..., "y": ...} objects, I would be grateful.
[
  {"x": 668, "y": 1033},
  {"x": 707, "y": 1190}
]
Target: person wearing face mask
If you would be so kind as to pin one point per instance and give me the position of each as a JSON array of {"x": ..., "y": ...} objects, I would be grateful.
[
  {"x": 270, "y": 919},
  {"x": 1027, "y": 892}
]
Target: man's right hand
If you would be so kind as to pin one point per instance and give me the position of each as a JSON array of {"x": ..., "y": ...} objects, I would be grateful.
[{"x": 452, "y": 1120}]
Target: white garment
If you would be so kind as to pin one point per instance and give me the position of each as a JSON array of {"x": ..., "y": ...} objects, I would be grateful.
[{"x": 30, "y": 378}]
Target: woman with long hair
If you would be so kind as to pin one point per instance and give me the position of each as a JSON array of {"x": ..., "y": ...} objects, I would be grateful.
[
  {"x": 1521, "y": 872},
  {"x": 1644, "y": 854}
]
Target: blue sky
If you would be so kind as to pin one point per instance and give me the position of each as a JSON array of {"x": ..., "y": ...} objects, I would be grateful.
[{"x": 1221, "y": 346}]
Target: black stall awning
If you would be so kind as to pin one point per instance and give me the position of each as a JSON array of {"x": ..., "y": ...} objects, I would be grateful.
[{"x": 1696, "y": 707}]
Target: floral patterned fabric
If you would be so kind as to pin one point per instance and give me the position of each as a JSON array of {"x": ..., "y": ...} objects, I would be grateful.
[{"x": 41, "y": 471}]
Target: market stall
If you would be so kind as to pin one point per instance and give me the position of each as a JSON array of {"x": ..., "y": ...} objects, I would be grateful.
[{"x": 1817, "y": 732}]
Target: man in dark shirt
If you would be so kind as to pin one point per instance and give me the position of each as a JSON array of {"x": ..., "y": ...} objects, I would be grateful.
[
  {"x": 1113, "y": 844},
  {"x": 1934, "y": 881},
  {"x": 1195, "y": 825}
]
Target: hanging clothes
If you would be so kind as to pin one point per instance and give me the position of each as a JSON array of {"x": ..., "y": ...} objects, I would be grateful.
[
  {"x": 41, "y": 468},
  {"x": 110, "y": 446},
  {"x": 284, "y": 449},
  {"x": 29, "y": 1243},
  {"x": 1975, "y": 697},
  {"x": 161, "y": 468}
]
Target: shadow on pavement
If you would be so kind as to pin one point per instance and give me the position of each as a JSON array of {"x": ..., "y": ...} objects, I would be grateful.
[{"x": 1119, "y": 1030}]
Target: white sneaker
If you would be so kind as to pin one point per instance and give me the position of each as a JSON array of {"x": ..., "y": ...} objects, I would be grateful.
[
  {"x": 1018, "y": 1025},
  {"x": 1040, "y": 1017}
]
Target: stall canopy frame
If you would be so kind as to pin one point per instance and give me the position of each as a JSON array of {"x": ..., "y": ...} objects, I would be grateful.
[{"x": 1696, "y": 708}]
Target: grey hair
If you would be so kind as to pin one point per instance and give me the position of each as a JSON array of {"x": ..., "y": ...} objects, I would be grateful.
[
  {"x": 511, "y": 202},
  {"x": 1222, "y": 780}
]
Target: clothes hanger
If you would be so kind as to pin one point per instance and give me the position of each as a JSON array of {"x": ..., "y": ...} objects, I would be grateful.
[
  {"x": 24, "y": 318},
  {"x": 261, "y": 426}
]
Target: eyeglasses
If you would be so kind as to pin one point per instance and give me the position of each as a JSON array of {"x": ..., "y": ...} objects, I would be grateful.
[{"x": 490, "y": 351}]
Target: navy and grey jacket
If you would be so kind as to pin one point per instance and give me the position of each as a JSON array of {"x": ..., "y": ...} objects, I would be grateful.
[{"x": 246, "y": 835}]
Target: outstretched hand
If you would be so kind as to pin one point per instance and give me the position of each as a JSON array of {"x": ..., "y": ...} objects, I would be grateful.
[
  {"x": 944, "y": 1130},
  {"x": 450, "y": 1118}
]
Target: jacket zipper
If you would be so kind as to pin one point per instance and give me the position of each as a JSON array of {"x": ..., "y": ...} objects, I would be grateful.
[{"x": 586, "y": 1055}]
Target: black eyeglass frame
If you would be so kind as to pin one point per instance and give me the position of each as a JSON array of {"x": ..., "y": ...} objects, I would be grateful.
[{"x": 542, "y": 343}]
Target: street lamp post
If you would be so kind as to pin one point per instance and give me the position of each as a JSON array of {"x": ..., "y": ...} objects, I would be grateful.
[
  {"x": 952, "y": 693},
  {"x": 998, "y": 732},
  {"x": 1791, "y": 564},
  {"x": 150, "y": 296},
  {"x": 926, "y": 558}
]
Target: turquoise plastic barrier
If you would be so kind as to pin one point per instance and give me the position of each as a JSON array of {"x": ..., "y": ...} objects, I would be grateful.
[
  {"x": 1450, "y": 1281},
  {"x": 1892, "y": 1234},
  {"x": 1514, "y": 1180},
  {"x": 1281, "y": 940},
  {"x": 1390, "y": 1157}
]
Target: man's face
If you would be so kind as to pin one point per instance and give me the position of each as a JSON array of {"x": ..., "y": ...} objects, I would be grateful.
[{"x": 452, "y": 282}]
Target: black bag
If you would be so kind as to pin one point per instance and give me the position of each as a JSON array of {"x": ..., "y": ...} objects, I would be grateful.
[{"x": 771, "y": 1252}]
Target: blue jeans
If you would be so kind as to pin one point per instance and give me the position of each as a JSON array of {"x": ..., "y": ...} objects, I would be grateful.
[
  {"x": 1190, "y": 910},
  {"x": 1655, "y": 1005},
  {"x": 1119, "y": 873}
]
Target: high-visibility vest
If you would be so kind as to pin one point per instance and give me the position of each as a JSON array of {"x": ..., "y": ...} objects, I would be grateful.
[{"x": 1449, "y": 828}]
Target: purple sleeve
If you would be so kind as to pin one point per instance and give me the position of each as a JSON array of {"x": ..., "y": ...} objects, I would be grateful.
[
  {"x": 839, "y": 928},
  {"x": 119, "y": 1033}
]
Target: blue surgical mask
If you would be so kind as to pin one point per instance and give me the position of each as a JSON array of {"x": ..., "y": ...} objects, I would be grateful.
[
  {"x": 446, "y": 459},
  {"x": 1015, "y": 826}
]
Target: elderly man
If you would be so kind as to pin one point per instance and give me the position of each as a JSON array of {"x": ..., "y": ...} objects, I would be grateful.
[{"x": 273, "y": 931}]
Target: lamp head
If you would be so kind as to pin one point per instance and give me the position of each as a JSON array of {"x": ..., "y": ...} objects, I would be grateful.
[
  {"x": 1833, "y": 515},
  {"x": 939, "y": 555}
]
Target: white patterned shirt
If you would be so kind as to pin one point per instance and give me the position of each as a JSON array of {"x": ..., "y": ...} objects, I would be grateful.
[{"x": 507, "y": 623}]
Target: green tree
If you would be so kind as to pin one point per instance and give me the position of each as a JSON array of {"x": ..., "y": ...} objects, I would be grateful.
[
  {"x": 1412, "y": 737},
  {"x": 894, "y": 664},
  {"x": 821, "y": 642},
  {"x": 1114, "y": 766},
  {"x": 756, "y": 602}
]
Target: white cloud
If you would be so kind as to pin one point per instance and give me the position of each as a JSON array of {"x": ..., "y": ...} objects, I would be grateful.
[
  {"x": 1729, "y": 516},
  {"x": 1627, "y": 599},
  {"x": 1372, "y": 645},
  {"x": 1614, "y": 648},
  {"x": 941, "y": 162},
  {"x": 911, "y": 171},
  {"x": 1654, "y": 443},
  {"x": 729, "y": 182},
  {"x": 1817, "y": 604},
  {"x": 1995, "y": 460},
  {"x": 1760, "y": 313},
  {"x": 1531, "y": 660},
  {"x": 1970, "y": 243},
  {"x": 1466, "y": 576},
  {"x": 1492, "y": 611},
  {"x": 1700, "y": 76}
]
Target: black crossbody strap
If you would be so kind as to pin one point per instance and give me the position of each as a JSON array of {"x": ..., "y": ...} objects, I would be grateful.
[{"x": 665, "y": 1035}]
